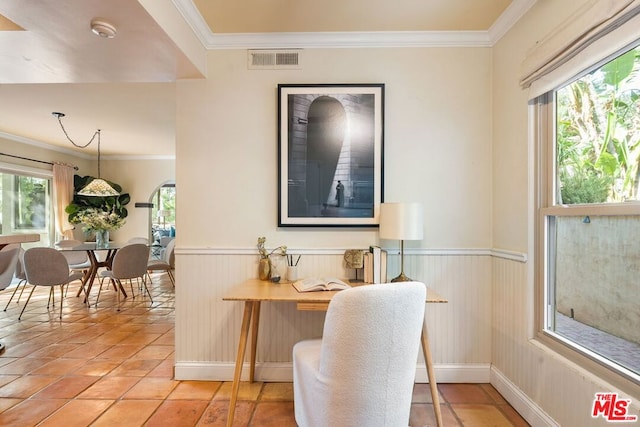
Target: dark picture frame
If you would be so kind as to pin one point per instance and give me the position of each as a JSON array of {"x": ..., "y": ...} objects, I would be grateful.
[{"x": 330, "y": 151}]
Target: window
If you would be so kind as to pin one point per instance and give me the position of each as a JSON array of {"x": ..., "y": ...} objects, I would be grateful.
[
  {"x": 25, "y": 203},
  {"x": 589, "y": 216}
]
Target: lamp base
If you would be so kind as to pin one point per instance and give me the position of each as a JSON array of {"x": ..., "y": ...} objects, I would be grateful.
[{"x": 401, "y": 278}]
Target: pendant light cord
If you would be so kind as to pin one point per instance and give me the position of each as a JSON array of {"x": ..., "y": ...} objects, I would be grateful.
[{"x": 96, "y": 133}]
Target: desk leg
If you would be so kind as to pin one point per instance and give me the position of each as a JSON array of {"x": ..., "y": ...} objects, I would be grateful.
[
  {"x": 242, "y": 346},
  {"x": 426, "y": 351},
  {"x": 254, "y": 339}
]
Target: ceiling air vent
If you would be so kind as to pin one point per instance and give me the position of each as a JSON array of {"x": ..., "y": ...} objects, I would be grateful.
[{"x": 274, "y": 59}]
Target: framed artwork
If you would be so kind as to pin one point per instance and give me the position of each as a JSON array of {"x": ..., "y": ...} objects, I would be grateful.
[{"x": 330, "y": 150}]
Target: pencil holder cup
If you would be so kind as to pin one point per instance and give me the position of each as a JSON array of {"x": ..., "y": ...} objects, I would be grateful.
[{"x": 292, "y": 273}]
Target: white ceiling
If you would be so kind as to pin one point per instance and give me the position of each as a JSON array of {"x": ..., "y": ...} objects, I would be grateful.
[{"x": 51, "y": 61}]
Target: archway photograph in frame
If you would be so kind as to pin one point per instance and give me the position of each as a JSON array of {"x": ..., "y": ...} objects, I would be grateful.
[{"x": 330, "y": 149}]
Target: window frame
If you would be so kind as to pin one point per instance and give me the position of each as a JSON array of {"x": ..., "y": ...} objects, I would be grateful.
[
  {"x": 542, "y": 113},
  {"x": 14, "y": 169}
]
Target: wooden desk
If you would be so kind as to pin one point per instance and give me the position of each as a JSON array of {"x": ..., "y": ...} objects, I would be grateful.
[{"x": 255, "y": 291}]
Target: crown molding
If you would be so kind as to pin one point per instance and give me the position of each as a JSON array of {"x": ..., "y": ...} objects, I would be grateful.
[
  {"x": 71, "y": 152},
  {"x": 509, "y": 17},
  {"x": 44, "y": 145},
  {"x": 376, "y": 39}
]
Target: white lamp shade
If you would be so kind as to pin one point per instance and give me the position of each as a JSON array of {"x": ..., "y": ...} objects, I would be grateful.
[
  {"x": 163, "y": 213},
  {"x": 401, "y": 221}
]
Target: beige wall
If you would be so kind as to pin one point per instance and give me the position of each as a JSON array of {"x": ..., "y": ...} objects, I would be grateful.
[
  {"x": 552, "y": 384},
  {"x": 437, "y": 145}
]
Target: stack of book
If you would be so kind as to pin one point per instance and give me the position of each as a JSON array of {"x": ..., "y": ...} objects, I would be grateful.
[{"x": 375, "y": 265}]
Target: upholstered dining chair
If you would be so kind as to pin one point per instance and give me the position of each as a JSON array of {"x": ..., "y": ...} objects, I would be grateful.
[
  {"x": 362, "y": 371},
  {"x": 8, "y": 262},
  {"x": 21, "y": 276},
  {"x": 130, "y": 262},
  {"x": 168, "y": 263},
  {"x": 47, "y": 267},
  {"x": 78, "y": 260}
]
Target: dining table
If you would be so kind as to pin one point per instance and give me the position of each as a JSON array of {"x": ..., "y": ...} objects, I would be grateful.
[{"x": 91, "y": 248}]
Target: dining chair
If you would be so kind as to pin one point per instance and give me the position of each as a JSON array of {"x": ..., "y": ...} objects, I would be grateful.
[
  {"x": 130, "y": 262},
  {"x": 78, "y": 260},
  {"x": 168, "y": 263},
  {"x": 8, "y": 262},
  {"x": 21, "y": 276},
  {"x": 362, "y": 371},
  {"x": 47, "y": 267}
]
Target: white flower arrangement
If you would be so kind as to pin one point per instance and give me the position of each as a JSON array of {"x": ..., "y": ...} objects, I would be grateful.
[{"x": 94, "y": 219}]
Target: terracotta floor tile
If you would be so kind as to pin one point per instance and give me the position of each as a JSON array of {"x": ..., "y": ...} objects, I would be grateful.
[
  {"x": 178, "y": 413},
  {"x": 54, "y": 350},
  {"x": 121, "y": 351},
  {"x": 274, "y": 414},
  {"x": 195, "y": 390},
  {"x": 472, "y": 415},
  {"x": 164, "y": 369},
  {"x": 154, "y": 352},
  {"x": 30, "y": 412},
  {"x": 277, "y": 391},
  {"x": 127, "y": 413},
  {"x": 112, "y": 338},
  {"x": 216, "y": 413},
  {"x": 23, "y": 366},
  {"x": 66, "y": 387},
  {"x": 422, "y": 394},
  {"x": 97, "y": 367},
  {"x": 88, "y": 351},
  {"x": 135, "y": 368},
  {"x": 168, "y": 338},
  {"x": 422, "y": 414},
  {"x": 493, "y": 394},
  {"x": 140, "y": 338},
  {"x": 7, "y": 360},
  {"x": 108, "y": 388},
  {"x": 26, "y": 386},
  {"x": 6, "y": 403},
  {"x": 58, "y": 367},
  {"x": 77, "y": 413},
  {"x": 513, "y": 416},
  {"x": 463, "y": 393},
  {"x": 6, "y": 379},
  {"x": 248, "y": 391},
  {"x": 151, "y": 388}
]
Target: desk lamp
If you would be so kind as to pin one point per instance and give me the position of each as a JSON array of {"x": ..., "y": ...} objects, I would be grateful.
[{"x": 401, "y": 221}]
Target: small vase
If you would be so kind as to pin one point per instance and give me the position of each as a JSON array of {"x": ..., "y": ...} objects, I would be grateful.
[
  {"x": 102, "y": 238},
  {"x": 264, "y": 269}
]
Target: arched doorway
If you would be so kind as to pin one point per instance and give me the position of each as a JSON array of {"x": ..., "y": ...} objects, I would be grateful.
[{"x": 163, "y": 217}]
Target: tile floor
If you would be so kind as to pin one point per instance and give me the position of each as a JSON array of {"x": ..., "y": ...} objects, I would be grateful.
[{"x": 101, "y": 367}]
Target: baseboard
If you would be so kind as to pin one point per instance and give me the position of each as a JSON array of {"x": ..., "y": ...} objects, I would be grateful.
[
  {"x": 527, "y": 408},
  {"x": 283, "y": 372}
]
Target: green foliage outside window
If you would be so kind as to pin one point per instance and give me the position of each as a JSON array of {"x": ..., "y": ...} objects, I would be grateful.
[{"x": 598, "y": 134}]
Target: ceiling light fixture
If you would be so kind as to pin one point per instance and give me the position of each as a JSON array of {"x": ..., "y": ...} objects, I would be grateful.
[
  {"x": 103, "y": 29},
  {"x": 98, "y": 187}
]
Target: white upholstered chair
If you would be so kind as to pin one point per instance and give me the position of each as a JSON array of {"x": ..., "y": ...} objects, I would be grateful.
[{"x": 362, "y": 371}]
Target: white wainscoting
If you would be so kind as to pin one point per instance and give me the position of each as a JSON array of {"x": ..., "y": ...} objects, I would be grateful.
[{"x": 207, "y": 328}]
